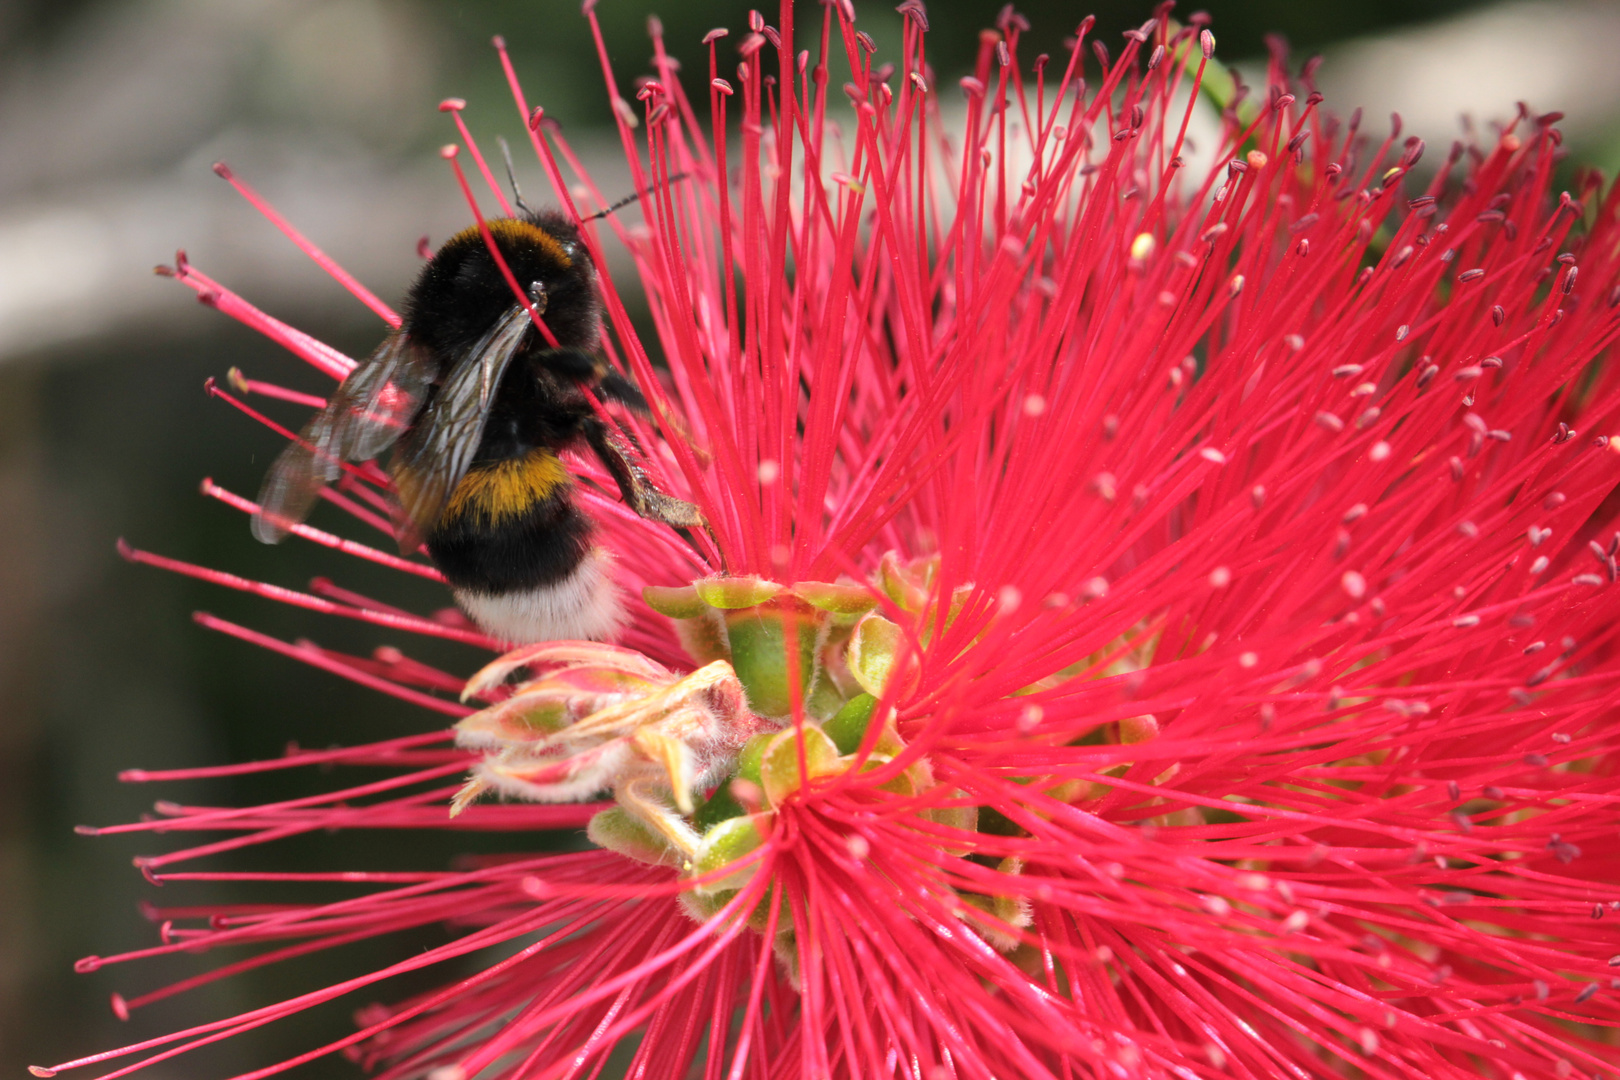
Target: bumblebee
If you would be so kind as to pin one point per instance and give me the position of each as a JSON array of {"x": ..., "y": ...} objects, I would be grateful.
[{"x": 476, "y": 406}]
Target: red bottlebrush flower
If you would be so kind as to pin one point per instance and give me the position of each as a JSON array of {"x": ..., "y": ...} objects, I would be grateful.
[{"x": 1152, "y": 621}]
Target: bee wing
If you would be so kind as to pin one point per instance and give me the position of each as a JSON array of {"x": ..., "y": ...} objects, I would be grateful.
[
  {"x": 367, "y": 413},
  {"x": 377, "y": 402},
  {"x": 435, "y": 454}
]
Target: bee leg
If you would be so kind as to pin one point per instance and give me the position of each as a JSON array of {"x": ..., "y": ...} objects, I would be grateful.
[
  {"x": 634, "y": 484},
  {"x": 615, "y": 387},
  {"x": 609, "y": 384},
  {"x": 572, "y": 364}
]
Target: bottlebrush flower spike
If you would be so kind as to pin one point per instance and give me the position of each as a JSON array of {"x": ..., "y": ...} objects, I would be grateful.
[{"x": 1174, "y": 606}]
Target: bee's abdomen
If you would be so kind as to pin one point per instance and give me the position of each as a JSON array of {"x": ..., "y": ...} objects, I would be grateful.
[
  {"x": 511, "y": 525},
  {"x": 499, "y": 491}
]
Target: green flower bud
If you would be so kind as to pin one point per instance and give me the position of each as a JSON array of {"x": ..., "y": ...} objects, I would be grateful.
[
  {"x": 722, "y": 807},
  {"x": 624, "y": 835},
  {"x": 848, "y": 726},
  {"x": 906, "y": 585},
  {"x": 677, "y": 603},
  {"x": 704, "y": 637},
  {"x": 1136, "y": 729},
  {"x": 873, "y": 651},
  {"x": 964, "y": 818},
  {"x": 722, "y": 845},
  {"x": 843, "y": 600},
  {"x": 758, "y": 637},
  {"x": 735, "y": 593},
  {"x": 749, "y": 757},
  {"x": 779, "y": 766}
]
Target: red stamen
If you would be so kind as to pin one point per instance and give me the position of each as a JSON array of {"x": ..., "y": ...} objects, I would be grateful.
[
  {"x": 453, "y": 106},
  {"x": 316, "y": 255},
  {"x": 449, "y": 154},
  {"x": 326, "y": 539},
  {"x": 300, "y": 344}
]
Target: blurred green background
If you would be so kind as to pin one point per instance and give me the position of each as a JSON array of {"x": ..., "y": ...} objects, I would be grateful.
[{"x": 110, "y": 114}]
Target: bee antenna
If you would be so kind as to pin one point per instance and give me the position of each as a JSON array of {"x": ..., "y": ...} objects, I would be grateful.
[
  {"x": 628, "y": 199},
  {"x": 511, "y": 176}
]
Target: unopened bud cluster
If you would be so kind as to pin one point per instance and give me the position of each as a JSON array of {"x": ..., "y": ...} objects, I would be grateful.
[{"x": 701, "y": 764}]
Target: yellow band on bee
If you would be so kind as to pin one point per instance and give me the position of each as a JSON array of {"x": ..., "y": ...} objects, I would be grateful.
[
  {"x": 507, "y": 489},
  {"x": 517, "y": 232}
]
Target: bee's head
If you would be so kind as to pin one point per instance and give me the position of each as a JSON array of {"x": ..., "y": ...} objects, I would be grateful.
[{"x": 462, "y": 291}]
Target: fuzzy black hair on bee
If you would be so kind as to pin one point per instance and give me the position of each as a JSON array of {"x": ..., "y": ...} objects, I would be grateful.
[{"x": 476, "y": 405}]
